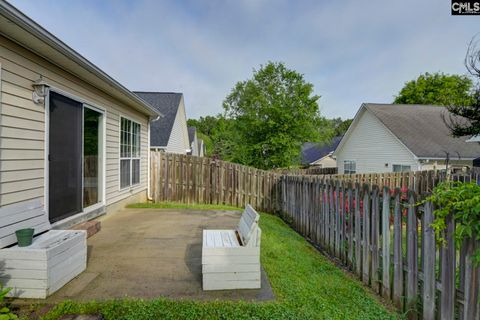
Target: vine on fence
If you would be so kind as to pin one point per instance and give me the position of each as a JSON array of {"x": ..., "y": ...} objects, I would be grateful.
[{"x": 463, "y": 201}]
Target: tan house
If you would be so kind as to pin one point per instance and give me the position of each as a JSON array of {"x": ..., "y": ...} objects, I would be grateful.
[
  {"x": 394, "y": 138},
  {"x": 70, "y": 135},
  {"x": 319, "y": 155}
]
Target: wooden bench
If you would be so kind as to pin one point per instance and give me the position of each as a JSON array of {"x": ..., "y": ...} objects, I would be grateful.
[
  {"x": 231, "y": 258},
  {"x": 54, "y": 258}
]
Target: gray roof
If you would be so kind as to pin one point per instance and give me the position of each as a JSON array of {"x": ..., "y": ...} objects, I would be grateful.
[
  {"x": 191, "y": 134},
  {"x": 313, "y": 151},
  {"x": 166, "y": 103},
  {"x": 422, "y": 130}
]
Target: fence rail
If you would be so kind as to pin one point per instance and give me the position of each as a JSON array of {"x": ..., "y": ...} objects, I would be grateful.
[{"x": 371, "y": 223}]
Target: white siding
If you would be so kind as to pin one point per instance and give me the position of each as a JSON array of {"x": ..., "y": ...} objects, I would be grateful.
[
  {"x": 372, "y": 146},
  {"x": 178, "y": 141},
  {"x": 22, "y": 127}
]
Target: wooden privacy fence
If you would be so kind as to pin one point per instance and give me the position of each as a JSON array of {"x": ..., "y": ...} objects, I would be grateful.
[
  {"x": 190, "y": 179},
  {"x": 372, "y": 223}
]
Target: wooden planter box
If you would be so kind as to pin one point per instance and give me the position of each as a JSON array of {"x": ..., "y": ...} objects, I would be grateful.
[{"x": 37, "y": 271}]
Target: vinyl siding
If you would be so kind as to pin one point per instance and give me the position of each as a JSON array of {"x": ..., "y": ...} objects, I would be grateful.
[
  {"x": 22, "y": 127},
  {"x": 372, "y": 146},
  {"x": 178, "y": 141}
]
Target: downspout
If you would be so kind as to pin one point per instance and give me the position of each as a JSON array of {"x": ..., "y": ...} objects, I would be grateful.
[{"x": 149, "y": 191}]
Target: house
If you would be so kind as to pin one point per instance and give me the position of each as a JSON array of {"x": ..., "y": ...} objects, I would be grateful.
[
  {"x": 169, "y": 133},
  {"x": 197, "y": 147},
  {"x": 393, "y": 138},
  {"x": 193, "y": 140},
  {"x": 319, "y": 155},
  {"x": 71, "y": 136}
]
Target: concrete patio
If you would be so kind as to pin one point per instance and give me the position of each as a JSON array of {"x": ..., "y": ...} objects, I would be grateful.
[{"x": 149, "y": 253}]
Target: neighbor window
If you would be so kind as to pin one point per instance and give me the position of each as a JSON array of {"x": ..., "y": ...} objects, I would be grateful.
[
  {"x": 349, "y": 167},
  {"x": 400, "y": 168},
  {"x": 129, "y": 153}
]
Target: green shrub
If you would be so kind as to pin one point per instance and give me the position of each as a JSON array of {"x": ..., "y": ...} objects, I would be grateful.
[{"x": 463, "y": 201}]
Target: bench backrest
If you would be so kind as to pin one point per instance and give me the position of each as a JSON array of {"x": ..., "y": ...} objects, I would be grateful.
[
  {"x": 28, "y": 214},
  {"x": 248, "y": 225}
]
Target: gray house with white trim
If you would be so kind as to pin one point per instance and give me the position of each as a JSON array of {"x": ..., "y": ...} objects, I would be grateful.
[{"x": 394, "y": 137}]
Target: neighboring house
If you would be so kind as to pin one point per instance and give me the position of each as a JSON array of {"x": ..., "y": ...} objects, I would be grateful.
[
  {"x": 390, "y": 137},
  {"x": 71, "y": 136},
  {"x": 193, "y": 140},
  {"x": 169, "y": 133},
  {"x": 201, "y": 148},
  {"x": 320, "y": 155}
]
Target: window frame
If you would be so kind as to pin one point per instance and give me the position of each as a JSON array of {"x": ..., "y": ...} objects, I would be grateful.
[
  {"x": 354, "y": 162},
  {"x": 402, "y": 166},
  {"x": 131, "y": 156}
]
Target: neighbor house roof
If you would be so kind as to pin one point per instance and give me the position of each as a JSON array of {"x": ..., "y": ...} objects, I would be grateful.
[
  {"x": 191, "y": 134},
  {"x": 313, "y": 151},
  {"x": 167, "y": 103},
  {"x": 19, "y": 28},
  {"x": 421, "y": 128}
]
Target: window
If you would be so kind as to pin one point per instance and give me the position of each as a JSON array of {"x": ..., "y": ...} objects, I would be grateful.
[
  {"x": 349, "y": 167},
  {"x": 129, "y": 153},
  {"x": 400, "y": 168}
]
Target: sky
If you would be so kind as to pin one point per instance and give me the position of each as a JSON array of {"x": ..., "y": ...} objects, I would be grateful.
[{"x": 351, "y": 51}]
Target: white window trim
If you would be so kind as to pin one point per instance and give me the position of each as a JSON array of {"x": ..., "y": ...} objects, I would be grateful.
[{"x": 120, "y": 158}]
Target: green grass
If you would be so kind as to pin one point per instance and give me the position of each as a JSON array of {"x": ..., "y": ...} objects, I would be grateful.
[
  {"x": 174, "y": 205},
  {"x": 306, "y": 285}
]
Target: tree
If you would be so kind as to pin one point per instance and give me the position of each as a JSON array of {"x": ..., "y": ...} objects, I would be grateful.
[
  {"x": 340, "y": 126},
  {"x": 272, "y": 114},
  {"x": 464, "y": 118},
  {"x": 437, "y": 89}
]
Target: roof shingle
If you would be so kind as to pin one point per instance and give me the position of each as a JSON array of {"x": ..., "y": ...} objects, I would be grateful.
[
  {"x": 422, "y": 130},
  {"x": 167, "y": 103}
]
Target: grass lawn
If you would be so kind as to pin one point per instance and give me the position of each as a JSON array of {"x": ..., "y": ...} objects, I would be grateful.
[{"x": 306, "y": 285}]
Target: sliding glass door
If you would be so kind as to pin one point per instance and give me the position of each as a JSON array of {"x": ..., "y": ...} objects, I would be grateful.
[{"x": 75, "y": 157}]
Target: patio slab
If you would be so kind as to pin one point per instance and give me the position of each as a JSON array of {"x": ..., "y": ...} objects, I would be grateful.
[{"x": 149, "y": 253}]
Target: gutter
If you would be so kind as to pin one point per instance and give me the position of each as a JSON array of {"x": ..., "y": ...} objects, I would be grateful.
[{"x": 21, "y": 20}]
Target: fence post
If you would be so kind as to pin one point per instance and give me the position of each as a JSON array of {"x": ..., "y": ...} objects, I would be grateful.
[
  {"x": 358, "y": 236},
  {"x": 428, "y": 263},
  {"x": 397, "y": 253},
  {"x": 366, "y": 234},
  {"x": 412, "y": 257},
  {"x": 375, "y": 235},
  {"x": 447, "y": 300},
  {"x": 386, "y": 243}
]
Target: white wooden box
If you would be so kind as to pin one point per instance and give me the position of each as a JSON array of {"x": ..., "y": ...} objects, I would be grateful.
[
  {"x": 37, "y": 271},
  {"x": 231, "y": 258}
]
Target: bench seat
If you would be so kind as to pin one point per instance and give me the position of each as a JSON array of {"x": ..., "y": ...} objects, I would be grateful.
[
  {"x": 54, "y": 258},
  {"x": 231, "y": 258}
]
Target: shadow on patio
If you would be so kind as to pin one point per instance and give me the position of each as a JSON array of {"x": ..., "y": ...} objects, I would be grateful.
[{"x": 148, "y": 253}]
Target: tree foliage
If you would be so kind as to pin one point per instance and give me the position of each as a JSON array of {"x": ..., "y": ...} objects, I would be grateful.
[
  {"x": 465, "y": 118},
  {"x": 271, "y": 115},
  {"x": 437, "y": 89}
]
